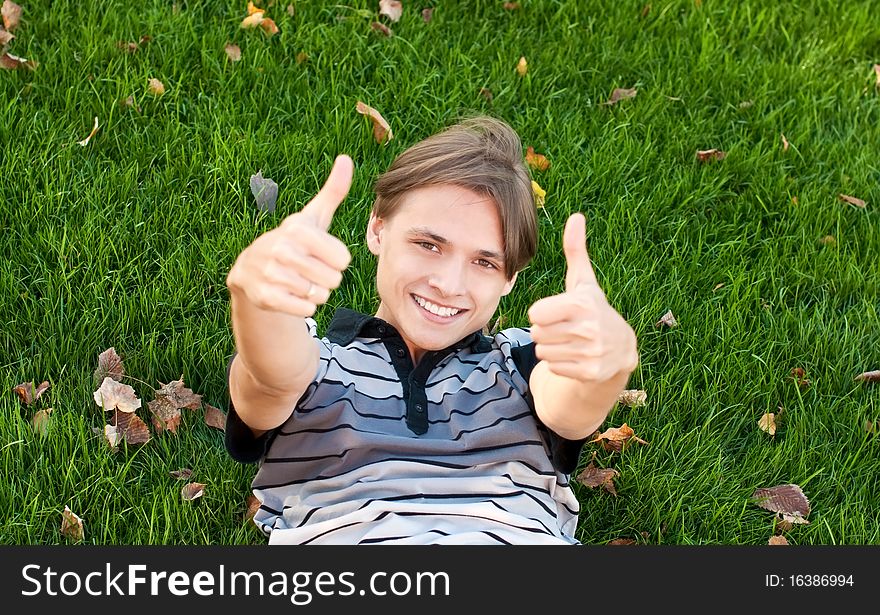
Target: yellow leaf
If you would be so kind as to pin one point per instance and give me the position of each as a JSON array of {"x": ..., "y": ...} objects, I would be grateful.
[
  {"x": 522, "y": 67},
  {"x": 539, "y": 193}
]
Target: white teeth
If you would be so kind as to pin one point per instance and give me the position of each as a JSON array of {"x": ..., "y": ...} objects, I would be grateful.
[{"x": 436, "y": 309}]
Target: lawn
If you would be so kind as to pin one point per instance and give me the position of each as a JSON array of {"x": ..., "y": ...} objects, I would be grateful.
[{"x": 125, "y": 242}]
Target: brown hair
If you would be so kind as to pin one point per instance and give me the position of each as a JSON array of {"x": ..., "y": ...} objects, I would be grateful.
[{"x": 479, "y": 153}]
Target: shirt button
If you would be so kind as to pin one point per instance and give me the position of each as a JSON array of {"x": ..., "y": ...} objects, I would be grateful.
[
  {"x": 382, "y": 330},
  {"x": 400, "y": 352},
  {"x": 419, "y": 408}
]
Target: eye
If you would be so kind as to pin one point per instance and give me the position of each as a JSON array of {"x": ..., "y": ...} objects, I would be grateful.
[
  {"x": 427, "y": 245},
  {"x": 486, "y": 264}
]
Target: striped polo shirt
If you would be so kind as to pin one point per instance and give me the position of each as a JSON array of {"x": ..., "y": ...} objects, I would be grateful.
[{"x": 376, "y": 450}]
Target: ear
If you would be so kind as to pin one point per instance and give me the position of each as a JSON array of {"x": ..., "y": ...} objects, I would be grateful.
[
  {"x": 509, "y": 285},
  {"x": 374, "y": 233}
]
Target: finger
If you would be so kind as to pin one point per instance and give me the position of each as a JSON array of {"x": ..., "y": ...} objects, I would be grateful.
[
  {"x": 579, "y": 269},
  {"x": 577, "y": 371},
  {"x": 278, "y": 299},
  {"x": 565, "y": 332},
  {"x": 566, "y": 352},
  {"x": 317, "y": 243},
  {"x": 557, "y": 308},
  {"x": 289, "y": 267},
  {"x": 323, "y": 206}
]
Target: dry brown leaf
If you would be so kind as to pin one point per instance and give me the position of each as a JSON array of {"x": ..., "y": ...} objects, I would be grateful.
[
  {"x": 111, "y": 437},
  {"x": 113, "y": 395},
  {"x": 301, "y": 57},
  {"x": 11, "y": 62},
  {"x": 40, "y": 421},
  {"x": 486, "y": 93},
  {"x": 828, "y": 240},
  {"x": 131, "y": 428},
  {"x": 166, "y": 416},
  {"x": 768, "y": 423},
  {"x": 536, "y": 161},
  {"x": 169, "y": 400},
  {"x": 253, "y": 505},
  {"x": 269, "y": 26},
  {"x": 777, "y": 540},
  {"x": 799, "y": 375},
  {"x": 788, "y": 499},
  {"x": 85, "y": 141},
  {"x": 784, "y": 142},
  {"x": 233, "y": 52},
  {"x": 619, "y": 94},
  {"x": 381, "y": 128},
  {"x": 621, "y": 434},
  {"x": 645, "y": 10},
  {"x": 522, "y": 67},
  {"x": 539, "y": 193},
  {"x": 191, "y": 491},
  {"x": 427, "y": 14},
  {"x": 622, "y": 541},
  {"x": 128, "y": 103},
  {"x": 254, "y": 17},
  {"x": 156, "y": 87},
  {"x": 381, "y": 28},
  {"x": 593, "y": 477},
  {"x": 877, "y": 74},
  {"x": 510, "y": 6},
  {"x": 852, "y": 200},
  {"x": 180, "y": 395},
  {"x": 110, "y": 363},
  {"x": 392, "y": 9},
  {"x": 183, "y": 473},
  {"x": 872, "y": 426},
  {"x": 668, "y": 319},
  {"x": 214, "y": 417},
  {"x": 872, "y": 376},
  {"x": 5, "y": 38},
  {"x": 633, "y": 398},
  {"x": 27, "y": 393},
  {"x": 11, "y": 14},
  {"x": 290, "y": 10},
  {"x": 71, "y": 525},
  {"x": 709, "y": 155}
]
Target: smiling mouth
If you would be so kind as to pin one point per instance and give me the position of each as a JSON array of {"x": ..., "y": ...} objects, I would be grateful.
[{"x": 436, "y": 310}]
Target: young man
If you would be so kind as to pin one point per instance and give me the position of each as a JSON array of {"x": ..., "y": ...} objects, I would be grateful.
[{"x": 411, "y": 426}]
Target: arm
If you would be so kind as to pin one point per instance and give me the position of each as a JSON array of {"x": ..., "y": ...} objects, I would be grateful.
[{"x": 274, "y": 284}]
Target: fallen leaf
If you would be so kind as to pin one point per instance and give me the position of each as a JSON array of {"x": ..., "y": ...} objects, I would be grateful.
[
  {"x": 645, "y": 10},
  {"x": 592, "y": 477},
  {"x": 109, "y": 364},
  {"x": 784, "y": 142},
  {"x": 788, "y": 499},
  {"x": 11, "y": 62},
  {"x": 253, "y": 505},
  {"x": 873, "y": 376},
  {"x": 254, "y": 17},
  {"x": 156, "y": 87},
  {"x": 169, "y": 400},
  {"x": 233, "y": 52},
  {"x": 191, "y": 491},
  {"x": 27, "y": 393},
  {"x": 621, "y": 435},
  {"x": 131, "y": 428},
  {"x": 427, "y": 14},
  {"x": 717, "y": 286},
  {"x": 113, "y": 395},
  {"x": 5, "y": 38},
  {"x": 619, "y": 94},
  {"x": 828, "y": 240},
  {"x": 768, "y": 423},
  {"x": 633, "y": 398},
  {"x": 180, "y": 395},
  {"x": 745, "y": 104},
  {"x": 486, "y": 93},
  {"x": 265, "y": 191},
  {"x": 622, "y": 541},
  {"x": 799, "y": 375},
  {"x": 11, "y": 14},
  {"x": 214, "y": 417},
  {"x": 392, "y": 9},
  {"x": 301, "y": 57},
  {"x": 872, "y": 426},
  {"x": 40, "y": 421},
  {"x": 667, "y": 319},
  {"x": 777, "y": 540},
  {"x": 269, "y": 26},
  {"x": 85, "y": 141},
  {"x": 510, "y": 6},
  {"x": 851, "y": 200},
  {"x": 522, "y": 67},
  {"x": 182, "y": 473},
  {"x": 381, "y": 128},
  {"x": 708, "y": 155},
  {"x": 166, "y": 416},
  {"x": 71, "y": 525},
  {"x": 536, "y": 161},
  {"x": 111, "y": 437},
  {"x": 381, "y": 28},
  {"x": 539, "y": 193},
  {"x": 290, "y": 10}
]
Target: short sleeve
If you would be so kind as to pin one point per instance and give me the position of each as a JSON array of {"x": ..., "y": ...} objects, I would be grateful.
[{"x": 564, "y": 454}]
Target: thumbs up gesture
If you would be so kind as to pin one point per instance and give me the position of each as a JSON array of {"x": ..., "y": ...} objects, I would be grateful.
[
  {"x": 577, "y": 333},
  {"x": 292, "y": 268}
]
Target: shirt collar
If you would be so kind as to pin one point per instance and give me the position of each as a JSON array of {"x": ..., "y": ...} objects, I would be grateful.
[{"x": 348, "y": 324}]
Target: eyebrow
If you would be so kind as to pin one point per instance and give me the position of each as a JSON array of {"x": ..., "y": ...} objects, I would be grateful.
[{"x": 424, "y": 231}]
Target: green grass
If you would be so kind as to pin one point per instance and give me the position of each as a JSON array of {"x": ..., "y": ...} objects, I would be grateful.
[{"x": 127, "y": 242}]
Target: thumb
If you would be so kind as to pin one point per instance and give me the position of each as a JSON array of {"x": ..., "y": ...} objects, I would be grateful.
[
  {"x": 579, "y": 269},
  {"x": 332, "y": 193}
]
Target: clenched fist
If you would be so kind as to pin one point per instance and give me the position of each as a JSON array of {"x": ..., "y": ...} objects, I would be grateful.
[{"x": 292, "y": 268}]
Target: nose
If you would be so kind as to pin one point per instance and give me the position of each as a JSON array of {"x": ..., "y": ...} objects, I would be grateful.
[{"x": 449, "y": 278}]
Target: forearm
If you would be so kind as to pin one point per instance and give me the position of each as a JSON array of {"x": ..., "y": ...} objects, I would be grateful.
[{"x": 572, "y": 408}]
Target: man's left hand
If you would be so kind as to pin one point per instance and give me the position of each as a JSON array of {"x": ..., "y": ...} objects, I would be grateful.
[{"x": 577, "y": 333}]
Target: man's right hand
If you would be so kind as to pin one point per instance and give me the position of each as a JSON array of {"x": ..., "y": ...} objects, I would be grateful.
[{"x": 292, "y": 268}]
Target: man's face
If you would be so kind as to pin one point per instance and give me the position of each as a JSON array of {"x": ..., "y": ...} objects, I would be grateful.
[{"x": 440, "y": 266}]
